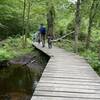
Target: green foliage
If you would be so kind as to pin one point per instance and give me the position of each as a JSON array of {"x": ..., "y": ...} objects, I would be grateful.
[
  {"x": 10, "y": 17},
  {"x": 12, "y": 47},
  {"x": 4, "y": 54}
]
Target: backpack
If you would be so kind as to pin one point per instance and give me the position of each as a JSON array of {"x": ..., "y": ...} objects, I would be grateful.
[{"x": 42, "y": 30}]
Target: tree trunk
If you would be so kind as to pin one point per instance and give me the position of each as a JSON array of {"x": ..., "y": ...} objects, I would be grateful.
[
  {"x": 99, "y": 50},
  {"x": 24, "y": 30},
  {"x": 77, "y": 25},
  {"x": 28, "y": 22},
  {"x": 50, "y": 20},
  {"x": 24, "y": 9},
  {"x": 91, "y": 18}
]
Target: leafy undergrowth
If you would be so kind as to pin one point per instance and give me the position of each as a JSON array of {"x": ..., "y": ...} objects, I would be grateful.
[
  {"x": 12, "y": 47},
  {"x": 90, "y": 55}
]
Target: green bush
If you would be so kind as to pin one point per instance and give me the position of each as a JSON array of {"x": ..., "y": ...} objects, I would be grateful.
[{"x": 4, "y": 54}]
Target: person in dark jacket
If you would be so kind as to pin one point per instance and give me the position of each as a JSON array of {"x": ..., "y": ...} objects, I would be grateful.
[{"x": 43, "y": 33}]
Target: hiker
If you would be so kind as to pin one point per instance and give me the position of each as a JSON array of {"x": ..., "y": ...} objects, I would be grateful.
[
  {"x": 43, "y": 33},
  {"x": 50, "y": 38}
]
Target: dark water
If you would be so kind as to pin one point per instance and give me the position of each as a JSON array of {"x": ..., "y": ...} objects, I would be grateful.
[{"x": 17, "y": 83}]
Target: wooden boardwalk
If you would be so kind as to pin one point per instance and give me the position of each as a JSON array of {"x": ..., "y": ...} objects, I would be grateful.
[{"x": 67, "y": 76}]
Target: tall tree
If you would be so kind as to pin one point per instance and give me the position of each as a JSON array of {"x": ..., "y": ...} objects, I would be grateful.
[
  {"x": 24, "y": 30},
  {"x": 92, "y": 14},
  {"x": 50, "y": 18},
  {"x": 28, "y": 20},
  {"x": 77, "y": 24}
]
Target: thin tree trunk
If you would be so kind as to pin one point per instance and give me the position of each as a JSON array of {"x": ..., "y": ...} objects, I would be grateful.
[
  {"x": 91, "y": 18},
  {"x": 99, "y": 51},
  {"x": 24, "y": 9},
  {"x": 28, "y": 22},
  {"x": 77, "y": 25}
]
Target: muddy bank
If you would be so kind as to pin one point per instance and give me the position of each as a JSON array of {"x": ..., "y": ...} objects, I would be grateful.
[
  {"x": 30, "y": 60},
  {"x": 16, "y": 96}
]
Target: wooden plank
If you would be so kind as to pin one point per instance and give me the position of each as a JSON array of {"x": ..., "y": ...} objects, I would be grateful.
[
  {"x": 69, "y": 82},
  {"x": 75, "y": 86},
  {"x": 69, "y": 79},
  {"x": 56, "y": 98},
  {"x": 64, "y": 76},
  {"x": 68, "y": 89},
  {"x": 66, "y": 73},
  {"x": 67, "y": 94},
  {"x": 69, "y": 72}
]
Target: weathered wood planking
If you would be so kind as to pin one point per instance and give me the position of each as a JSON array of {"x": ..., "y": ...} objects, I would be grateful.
[{"x": 67, "y": 76}]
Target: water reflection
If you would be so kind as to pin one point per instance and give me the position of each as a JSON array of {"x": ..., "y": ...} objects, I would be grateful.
[{"x": 16, "y": 83}]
